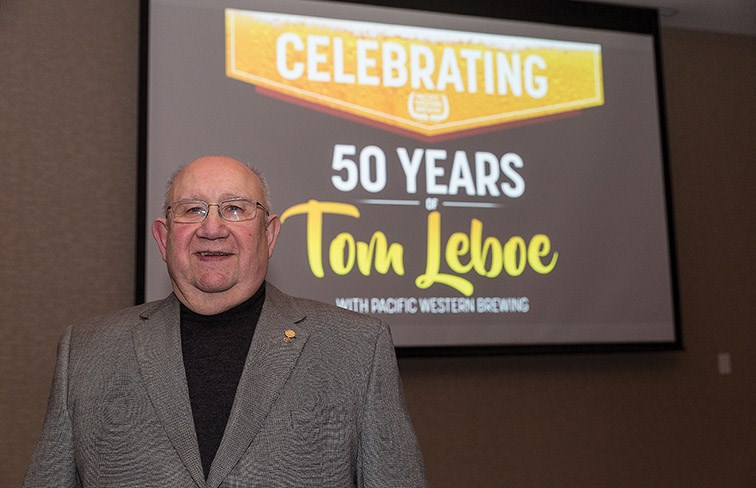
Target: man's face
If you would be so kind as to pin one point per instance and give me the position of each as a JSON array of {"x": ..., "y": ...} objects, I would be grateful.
[{"x": 216, "y": 265}]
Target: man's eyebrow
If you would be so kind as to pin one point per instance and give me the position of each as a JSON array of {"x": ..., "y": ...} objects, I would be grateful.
[
  {"x": 190, "y": 198},
  {"x": 224, "y": 196}
]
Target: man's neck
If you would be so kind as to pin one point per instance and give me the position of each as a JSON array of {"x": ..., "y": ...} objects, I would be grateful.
[{"x": 212, "y": 303}]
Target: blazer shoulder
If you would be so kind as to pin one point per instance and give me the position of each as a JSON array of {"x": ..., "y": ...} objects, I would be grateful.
[{"x": 113, "y": 325}]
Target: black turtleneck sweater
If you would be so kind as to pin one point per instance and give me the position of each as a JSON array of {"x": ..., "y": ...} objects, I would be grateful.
[{"x": 215, "y": 348}]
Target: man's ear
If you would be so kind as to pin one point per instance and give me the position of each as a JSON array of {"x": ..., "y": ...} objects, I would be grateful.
[
  {"x": 273, "y": 227},
  {"x": 160, "y": 233}
]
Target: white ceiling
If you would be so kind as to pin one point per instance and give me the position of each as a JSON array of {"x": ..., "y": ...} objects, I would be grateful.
[{"x": 730, "y": 16}]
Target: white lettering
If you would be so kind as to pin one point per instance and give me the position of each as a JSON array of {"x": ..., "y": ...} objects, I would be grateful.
[
  {"x": 389, "y": 64},
  {"x": 422, "y": 65},
  {"x": 516, "y": 186},
  {"x": 535, "y": 86},
  {"x": 394, "y": 63},
  {"x": 433, "y": 172},
  {"x": 315, "y": 58},
  {"x": 365, "y": 62},
  {"x": 460, "y": 175},
  {"x": 471, "y": 56},
  {"x": 410, "y": 166},
  {"x": 486, "y": 179},
  {"x": 339, "y": 75},
  {"x": 448, "y": 71},
  {"x": 282, "y": 43}
]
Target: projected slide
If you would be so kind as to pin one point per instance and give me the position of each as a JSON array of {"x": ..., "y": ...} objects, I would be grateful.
[{"x": 474, "y": 182}]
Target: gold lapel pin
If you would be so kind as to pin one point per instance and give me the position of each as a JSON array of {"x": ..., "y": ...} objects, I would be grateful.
[{"x": 289, "y": 335}]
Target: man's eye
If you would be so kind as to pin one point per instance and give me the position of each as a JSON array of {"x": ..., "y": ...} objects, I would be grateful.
[
  {"x": 196, "y": 210},
  {"x": 236, "y": 210}
]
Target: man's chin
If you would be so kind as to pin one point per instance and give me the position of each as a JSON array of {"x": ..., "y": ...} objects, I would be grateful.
[{"x": 214, "y": 287}]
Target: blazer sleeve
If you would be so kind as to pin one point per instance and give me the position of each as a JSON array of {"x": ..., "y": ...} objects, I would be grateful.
[
  {"x": 389, "y": 454},
  {"x": 52, "y": 463}
]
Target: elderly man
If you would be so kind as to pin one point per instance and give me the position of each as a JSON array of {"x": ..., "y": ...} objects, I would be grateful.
[{"x": 227, "y": 382}]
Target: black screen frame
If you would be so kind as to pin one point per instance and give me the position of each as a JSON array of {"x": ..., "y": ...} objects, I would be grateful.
[{"x": 558, "y": 12}]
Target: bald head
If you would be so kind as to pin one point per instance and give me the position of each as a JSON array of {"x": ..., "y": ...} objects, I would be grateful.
[{"x": 217, "y": 161}]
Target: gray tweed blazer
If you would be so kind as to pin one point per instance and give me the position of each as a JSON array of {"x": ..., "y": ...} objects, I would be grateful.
[{"x": 322, "y": 409}]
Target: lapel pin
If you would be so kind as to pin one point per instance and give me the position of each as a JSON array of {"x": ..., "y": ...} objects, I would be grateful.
[{"x": 289, "y": 335}]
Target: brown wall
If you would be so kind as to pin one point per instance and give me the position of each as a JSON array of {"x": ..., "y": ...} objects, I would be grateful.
[{"x": 68, "y": 124}]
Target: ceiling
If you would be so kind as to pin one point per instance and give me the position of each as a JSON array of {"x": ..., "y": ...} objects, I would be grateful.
[{"x": 729, "y": 16}]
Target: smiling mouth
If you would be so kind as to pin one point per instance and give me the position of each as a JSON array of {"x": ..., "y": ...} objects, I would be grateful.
[{"x": 208, "y": 254}]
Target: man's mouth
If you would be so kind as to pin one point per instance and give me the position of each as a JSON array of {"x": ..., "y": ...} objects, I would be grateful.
[{"x": 213, "y": 254}]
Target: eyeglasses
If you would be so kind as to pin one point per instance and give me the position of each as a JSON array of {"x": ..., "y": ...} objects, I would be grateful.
[{"x": 231, "y": 210}]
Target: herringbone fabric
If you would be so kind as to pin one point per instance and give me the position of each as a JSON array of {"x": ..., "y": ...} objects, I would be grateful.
[{"x": 321, "y": 409}]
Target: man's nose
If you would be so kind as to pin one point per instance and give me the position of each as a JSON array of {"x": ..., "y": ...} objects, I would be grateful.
[{"x": 213, "y": 227}]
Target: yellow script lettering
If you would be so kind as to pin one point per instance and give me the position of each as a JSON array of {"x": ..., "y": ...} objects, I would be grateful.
[
  {"x": 344, "y": 250},
  {"x": 488, "y": 257}
]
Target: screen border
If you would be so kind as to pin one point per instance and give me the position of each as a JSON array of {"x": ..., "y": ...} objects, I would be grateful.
[{"x": 613, "y": 17}]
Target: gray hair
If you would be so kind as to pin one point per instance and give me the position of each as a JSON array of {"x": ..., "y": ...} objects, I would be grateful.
[{"x": 263, "y": 183}]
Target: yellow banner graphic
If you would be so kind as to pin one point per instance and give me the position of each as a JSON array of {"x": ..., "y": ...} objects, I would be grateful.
[{"x": 431, "y": 82}]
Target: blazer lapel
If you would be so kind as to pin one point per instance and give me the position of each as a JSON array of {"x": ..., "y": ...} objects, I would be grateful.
[
  {"x": 271, "y": 358},
  {"x": 157, "y": 341}
]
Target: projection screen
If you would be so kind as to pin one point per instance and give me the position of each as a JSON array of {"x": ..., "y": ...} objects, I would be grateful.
[{"x": 479, "y": 183}]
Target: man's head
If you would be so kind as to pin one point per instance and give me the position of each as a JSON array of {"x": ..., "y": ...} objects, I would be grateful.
[{"x": 216, "y": 264}]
